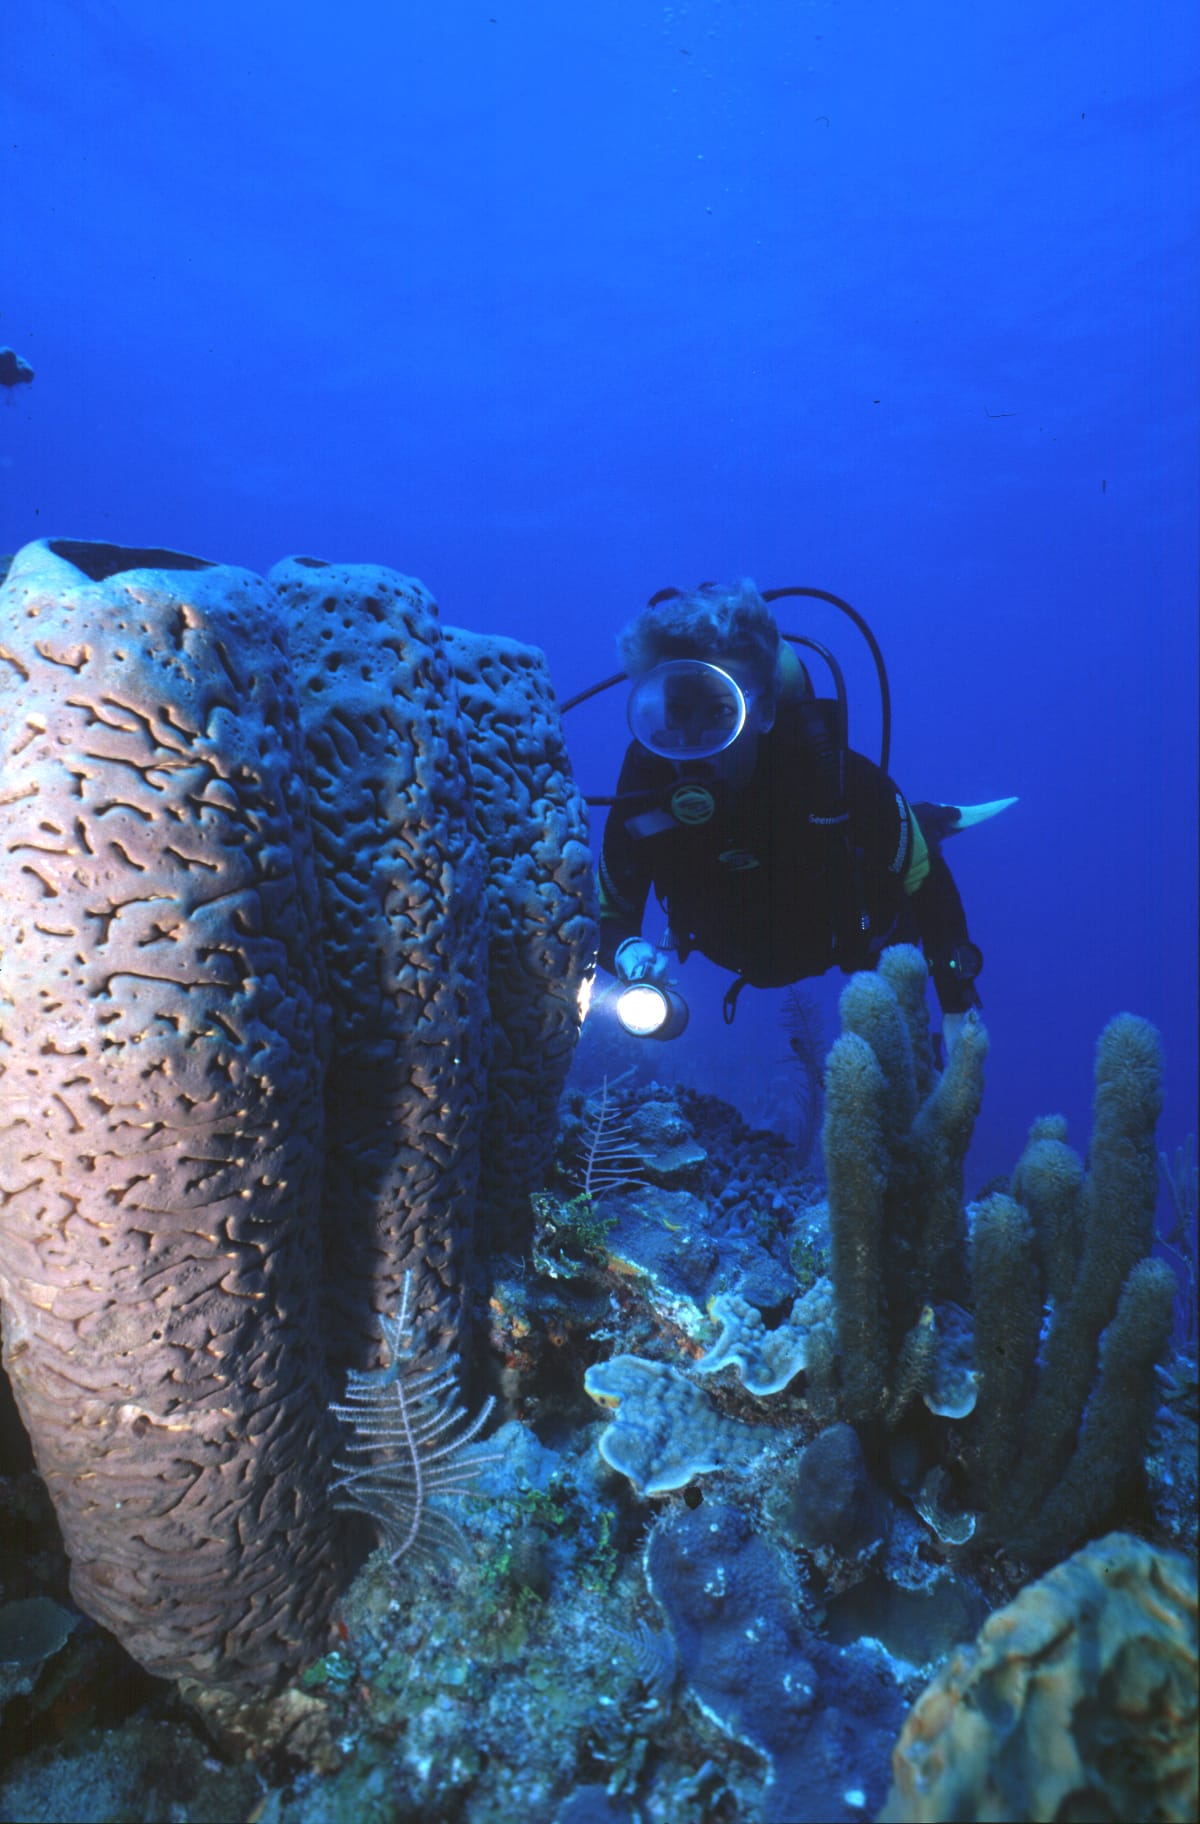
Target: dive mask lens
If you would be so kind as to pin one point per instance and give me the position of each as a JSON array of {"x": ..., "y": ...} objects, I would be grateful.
[{"x": 686, "y": 709}]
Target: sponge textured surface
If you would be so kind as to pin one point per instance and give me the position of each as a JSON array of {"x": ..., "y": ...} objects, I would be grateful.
[
  {"x": 541, "y": 912},
  {"x": 401, "y": 878},
  {"x": 1078, "y": 1700},
  {"x": 162, "y": 1042}
]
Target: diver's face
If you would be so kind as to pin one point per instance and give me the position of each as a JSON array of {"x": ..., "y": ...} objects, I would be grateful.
[
  {"x": 698, "y": 711},
  {"x": 736, "y": 764}
]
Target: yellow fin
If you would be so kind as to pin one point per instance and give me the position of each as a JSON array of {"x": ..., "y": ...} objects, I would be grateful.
[{"x": 979, "y": 813}]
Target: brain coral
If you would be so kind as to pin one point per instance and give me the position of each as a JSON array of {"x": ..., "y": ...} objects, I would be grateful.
[
  {"x": 1078, "y": 1700},
  {"x": 162, "y": 1044}
]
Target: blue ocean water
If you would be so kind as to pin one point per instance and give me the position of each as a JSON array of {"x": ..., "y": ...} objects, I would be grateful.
[{"x": 553, "y": 306}]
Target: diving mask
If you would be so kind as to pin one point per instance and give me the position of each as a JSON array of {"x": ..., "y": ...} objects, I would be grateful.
[{"x": 687, "y": 709}]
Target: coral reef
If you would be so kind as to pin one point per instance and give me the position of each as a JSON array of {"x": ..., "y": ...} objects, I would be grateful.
[
  {"x": 701, "y": 1203},
  {"x": 895, "y": 1137},
  {"x": 827, "y": 1499},
  {"x": 802, "y": 1026},
  {"x": 760, "y": 1671},
  {"x": 296, "y": 900},
  {"x": 1063, "y": 1425},
  {"x": 1077, "y": 1700},
  {"x": 739, "y": 1649},
  {"x": 150, "y": 1770},
  {"x": 610, "y": 1153},
  {"x": 1181, "y": 1176}
]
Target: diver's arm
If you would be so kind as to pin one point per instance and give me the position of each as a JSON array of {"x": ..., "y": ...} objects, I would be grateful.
[
  {"x": 905, "y": 839},
  {"x": 624, "y": 873},
  {"x": 942, "y": 927},
  {"x": 620, "y": 918}
]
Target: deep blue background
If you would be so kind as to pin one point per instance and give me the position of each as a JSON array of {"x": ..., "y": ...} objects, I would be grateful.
[{"x": 552, "y": 305}]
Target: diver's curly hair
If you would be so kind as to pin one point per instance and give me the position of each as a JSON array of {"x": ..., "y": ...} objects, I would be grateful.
[{"x": 717, "y": 621}]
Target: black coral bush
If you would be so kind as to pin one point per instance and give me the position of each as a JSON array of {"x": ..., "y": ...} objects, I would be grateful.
[{"x": 410, "y": 1442}]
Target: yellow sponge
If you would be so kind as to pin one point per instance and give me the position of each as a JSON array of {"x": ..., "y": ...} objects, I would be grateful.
[{"x": 1077, "y": 1700}]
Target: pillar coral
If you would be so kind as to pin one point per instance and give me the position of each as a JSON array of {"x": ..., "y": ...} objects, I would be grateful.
[
  {"x": 1055, "y": 1414},
  {"x": 162, "y": 1042},
  {"x": 895, "y": 1137}
]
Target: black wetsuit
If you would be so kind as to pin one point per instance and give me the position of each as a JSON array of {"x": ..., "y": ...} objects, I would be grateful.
[{"x": 761, "y": 888}]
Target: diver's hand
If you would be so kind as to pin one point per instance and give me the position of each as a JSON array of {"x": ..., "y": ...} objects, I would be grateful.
[{"x": 639, "y": 961}]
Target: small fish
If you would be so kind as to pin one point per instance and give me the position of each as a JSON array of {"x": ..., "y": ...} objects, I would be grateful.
[{"x": 13, "y": 370}]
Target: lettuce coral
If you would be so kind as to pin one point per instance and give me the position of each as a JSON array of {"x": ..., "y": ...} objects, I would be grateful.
[{"x": 666, "y": 1431}]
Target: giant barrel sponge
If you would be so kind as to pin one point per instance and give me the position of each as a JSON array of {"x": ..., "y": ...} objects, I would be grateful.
[
  {"x": 162, "y": 1046},
  {"x": 401, "y": 879},
  {"x": 541, "y": 912}
]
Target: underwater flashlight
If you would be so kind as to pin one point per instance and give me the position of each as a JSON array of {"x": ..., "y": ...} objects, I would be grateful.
[{"x": 651, "y": 1012}]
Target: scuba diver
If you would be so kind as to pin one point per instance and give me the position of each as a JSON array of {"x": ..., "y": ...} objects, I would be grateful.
[{"x": 774, "y": 849}]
